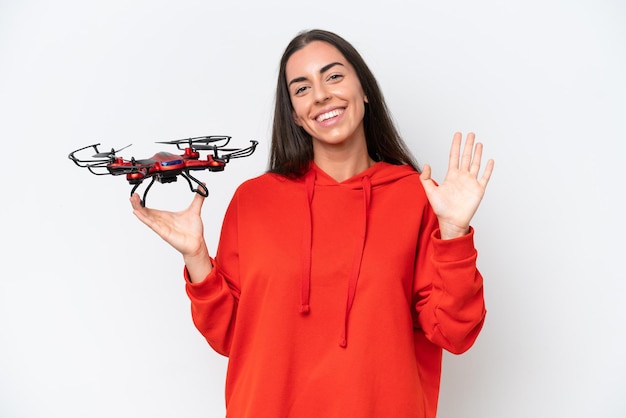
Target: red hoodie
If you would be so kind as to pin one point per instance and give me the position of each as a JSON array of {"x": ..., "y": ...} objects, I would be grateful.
[{"x": 336, "y": 299}]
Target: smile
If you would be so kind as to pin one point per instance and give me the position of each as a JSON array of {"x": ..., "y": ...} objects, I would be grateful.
[{"x": 328, "y": 115}]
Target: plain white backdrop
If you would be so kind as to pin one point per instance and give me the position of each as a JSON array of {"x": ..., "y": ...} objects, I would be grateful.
[{"x": 94, "y": 321}]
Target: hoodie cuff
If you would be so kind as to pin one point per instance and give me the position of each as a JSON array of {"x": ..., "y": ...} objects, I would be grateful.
[
  {"x": 454, "y": 249},
  {"x": 204, "y": 285}
]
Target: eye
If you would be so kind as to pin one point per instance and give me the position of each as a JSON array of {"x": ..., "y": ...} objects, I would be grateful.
[
  {"x": 300, "y": 90},
  {"x": 335, "y": 77}
]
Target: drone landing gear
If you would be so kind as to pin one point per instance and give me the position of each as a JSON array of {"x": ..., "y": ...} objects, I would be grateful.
[
  {"x": 145, "y": 192},
  {"x": 201, "y": 189}
]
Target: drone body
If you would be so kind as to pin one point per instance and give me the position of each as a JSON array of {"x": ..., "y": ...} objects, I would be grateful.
[{"x": 165, "y": 167}]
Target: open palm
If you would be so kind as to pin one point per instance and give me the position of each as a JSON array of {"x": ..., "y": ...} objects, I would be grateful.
[
  {"x": 182, "y": 230},
  {"x": 456, "y": 200}
]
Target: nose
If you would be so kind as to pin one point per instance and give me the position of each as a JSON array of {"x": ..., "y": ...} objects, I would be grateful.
[{"x": 322, "y": 94}]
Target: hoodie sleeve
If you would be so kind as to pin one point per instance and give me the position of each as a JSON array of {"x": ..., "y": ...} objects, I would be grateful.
[
  {"x": 214, "y": 300},
  {"x": 449, "y": 289}
]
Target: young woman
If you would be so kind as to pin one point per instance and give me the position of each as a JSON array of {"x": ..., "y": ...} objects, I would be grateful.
[{"x": 342, "y": 273}]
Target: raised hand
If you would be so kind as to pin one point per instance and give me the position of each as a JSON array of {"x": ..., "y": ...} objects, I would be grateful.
[
  {"x": 183, "y": 230},
  {"x": 456, "y": 200}
]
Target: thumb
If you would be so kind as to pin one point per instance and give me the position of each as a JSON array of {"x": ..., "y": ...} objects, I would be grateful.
[
  {"x": 427, "y": 181},
  {"x": 197, "y": 202},
  {"x": 426, "y": 172}
]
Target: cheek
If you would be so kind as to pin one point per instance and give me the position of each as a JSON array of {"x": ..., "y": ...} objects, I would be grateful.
[
  {"x": 298, "y": 114},
  {"x": 295, "y": 117},
  {"x": 360, "y": 106}
]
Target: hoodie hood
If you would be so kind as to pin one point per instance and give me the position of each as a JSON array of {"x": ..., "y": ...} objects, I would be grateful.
[{"x": 375, "y": 176}]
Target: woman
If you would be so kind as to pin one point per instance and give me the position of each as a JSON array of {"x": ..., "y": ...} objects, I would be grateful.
[{"x": 343, "y": 272}]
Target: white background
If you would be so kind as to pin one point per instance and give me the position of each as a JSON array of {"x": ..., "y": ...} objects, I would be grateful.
[{"x": 94, "y": 321}]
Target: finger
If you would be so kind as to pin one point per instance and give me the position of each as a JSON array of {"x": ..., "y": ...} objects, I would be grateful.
[
  {"x": 455, "y": 151},
  {"x": 426, "y": 172},
  {"x": 487, "y": 173},
  {"x": 196, "y": 203},
  {"x": 140, "y": 211},
  {"x": 476, "y": 159},
  {"x": 135, "y": 201},
  {"x": 468, "y": 148},
  {"x": 157, "y": 221}
]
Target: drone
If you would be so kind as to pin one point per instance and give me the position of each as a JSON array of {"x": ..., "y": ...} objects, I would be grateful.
[{"x": 165, "y": 167}]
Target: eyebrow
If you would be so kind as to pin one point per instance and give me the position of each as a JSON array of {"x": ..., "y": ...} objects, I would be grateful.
[{"x": 322, "y": 71}]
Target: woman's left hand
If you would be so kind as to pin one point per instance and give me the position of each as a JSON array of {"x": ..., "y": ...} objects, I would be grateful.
[{"x": 456, "y": 200}]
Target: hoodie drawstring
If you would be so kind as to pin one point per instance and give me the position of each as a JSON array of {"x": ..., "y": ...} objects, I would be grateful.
[
  {"x": 307, "y": 243},
  {"x": 358, "y": 258}
]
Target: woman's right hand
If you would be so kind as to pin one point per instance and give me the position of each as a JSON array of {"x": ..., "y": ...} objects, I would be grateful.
[{"x": 182, "y": 230}]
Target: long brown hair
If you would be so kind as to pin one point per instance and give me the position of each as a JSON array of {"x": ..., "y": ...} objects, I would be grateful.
[{"x": 292, "y": 148}]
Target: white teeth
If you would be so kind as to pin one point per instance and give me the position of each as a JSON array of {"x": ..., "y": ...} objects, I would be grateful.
[{"x": 328, "y": 115}]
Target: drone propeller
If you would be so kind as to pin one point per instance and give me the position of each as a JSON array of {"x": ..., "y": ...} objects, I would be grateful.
[
  {"x": 199, "y": 142},
  {"x": 197, "y": 139},
  {"x": 109, "y": 154}
]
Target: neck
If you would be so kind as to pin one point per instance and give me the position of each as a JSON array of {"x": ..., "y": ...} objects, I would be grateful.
[{"x": 342, "y": 166}]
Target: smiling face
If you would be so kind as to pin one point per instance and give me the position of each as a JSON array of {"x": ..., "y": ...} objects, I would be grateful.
[{"x": 327, "y": 97}]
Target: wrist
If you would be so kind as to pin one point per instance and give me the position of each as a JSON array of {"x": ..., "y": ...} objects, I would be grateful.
[
  {"x": 198, "y": 264},
  {"x": 448, "y": 231}
]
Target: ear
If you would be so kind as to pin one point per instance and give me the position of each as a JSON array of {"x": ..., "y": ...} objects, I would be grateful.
[{"x": 365, "y": 99}]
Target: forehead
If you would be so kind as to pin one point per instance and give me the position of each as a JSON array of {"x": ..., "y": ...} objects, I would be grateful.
[{"x": 312, "y": 58}]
